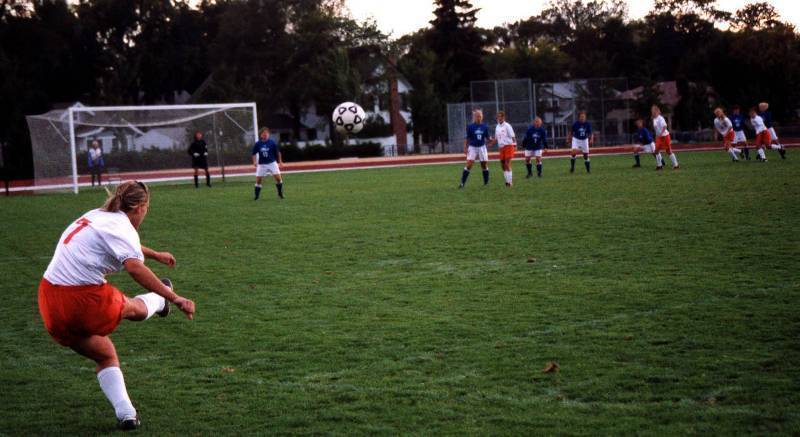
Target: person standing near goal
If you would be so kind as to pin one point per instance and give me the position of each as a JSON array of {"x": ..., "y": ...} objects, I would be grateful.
[
  {"x": 534, "y": 143},
  {"x": 80, "y": 309},
  {"x": 96, "y": 162},
  {"x": 506, "y": 145},
  {"x": 724, "y": 127},
  {"x": 582, "y": 138},
  {"x": 646, "y": 144},
  {"x": 775, "y": 144},
  {"x": 663, "y": 140},
  {"x": 475, "y": 147},
  {"x": 267, "y": 159},
  {"x": 198, "y": 150},
  {"x": 739, "y": 137}
]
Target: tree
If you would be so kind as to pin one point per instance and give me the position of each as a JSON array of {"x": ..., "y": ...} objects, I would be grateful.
[{"x": 756, "y": 16}]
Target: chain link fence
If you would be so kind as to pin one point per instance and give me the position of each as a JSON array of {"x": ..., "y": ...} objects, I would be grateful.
[{"x": 606, "y": 102}]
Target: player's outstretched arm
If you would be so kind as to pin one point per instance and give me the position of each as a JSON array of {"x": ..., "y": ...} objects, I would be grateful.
[
  {"x": 147, "y": 279},
  {"x": 162, "y": 257}
]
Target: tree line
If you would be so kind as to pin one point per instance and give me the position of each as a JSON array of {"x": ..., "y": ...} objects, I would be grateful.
[{"x": 287, "y": 54}]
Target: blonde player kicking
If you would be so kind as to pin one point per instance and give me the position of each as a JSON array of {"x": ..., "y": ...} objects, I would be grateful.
[
  {"x": 663, "y": 140},
  {"x": 763, "y": 112},
  {"x": 534, "y": 143},
  {"x": 739, "y": 138},
  {"x": 80, "y": 309},
  {"x": 763, "y": 138},
  {"x": 475, "y": 147},
  {"x": 582, "y": 138},
  {"x": 724, "y": 127},
  {"x": 506, "y": 144}
]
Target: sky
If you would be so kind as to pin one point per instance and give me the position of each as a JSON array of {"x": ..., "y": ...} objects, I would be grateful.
[{"x": 399, "y": 17}]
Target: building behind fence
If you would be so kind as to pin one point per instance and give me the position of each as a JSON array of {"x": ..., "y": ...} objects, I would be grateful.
[{"x": 605, "y": 101}]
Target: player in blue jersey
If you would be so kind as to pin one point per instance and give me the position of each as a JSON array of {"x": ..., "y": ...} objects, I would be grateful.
[
  {"x": 645, "y": 142},
  {"x": 475, "y": 147},
  {"x": 739, "y": 137},
  {"x": 763, "y": 112},
  {"x": 582, "y": 138},
  {"x": 534, "y": 143},
  {"x": 267, "y": 159}
]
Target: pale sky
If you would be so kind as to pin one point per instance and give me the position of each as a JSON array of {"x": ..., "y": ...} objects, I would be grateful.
[{"x": 399, "y": 17}]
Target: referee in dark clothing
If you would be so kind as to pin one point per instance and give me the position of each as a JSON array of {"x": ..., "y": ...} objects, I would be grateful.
[{"x": 199, "y": 153}]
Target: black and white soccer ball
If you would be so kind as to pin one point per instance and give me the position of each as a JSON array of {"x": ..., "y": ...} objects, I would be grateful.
[{"x": 349, "y": 118}]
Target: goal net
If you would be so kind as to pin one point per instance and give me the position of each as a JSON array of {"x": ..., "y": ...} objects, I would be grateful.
[{"x": 148, "y": 143}]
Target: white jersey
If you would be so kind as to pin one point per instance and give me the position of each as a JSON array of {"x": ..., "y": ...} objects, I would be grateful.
[
  {"x": 95, "y": 154},
  {"x": 95, "y": 245},
  {"x": 660, "y": 126},
  {"x": 723, "y": 125},
  {"x": 758, "y": 124},
  {"x": 504, "y": 134}
]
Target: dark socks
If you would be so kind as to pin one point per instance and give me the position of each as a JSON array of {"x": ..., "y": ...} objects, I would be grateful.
[
  {"x": 196, "y": 185},
  {"x": 279, "y": 186},
  {"x": 588, "y": 167},
  {"x": 572, "y": 164},
  {"x": 464, "y": 176},
  {"x": 539, "y": 170},
  {"x": 636, "y": 157},
  {"x": 529, "y": 166},
  {"x": 746, "y": 152},
  {"x": 258, "y": 191},
  {"x": 208, "y": 178},
  {"x": 486, "y": 177}
]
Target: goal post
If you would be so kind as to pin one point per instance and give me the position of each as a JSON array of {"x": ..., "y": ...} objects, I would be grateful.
[{"x": 147, "y": 143}]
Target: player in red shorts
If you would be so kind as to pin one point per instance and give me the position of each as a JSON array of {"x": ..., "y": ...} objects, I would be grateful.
[
  {"x": 663, "y": 140},
  {"x": 763, "y": 137},
  {"x": 724, "y": 127},
  {"x": 80, "y": 309}
]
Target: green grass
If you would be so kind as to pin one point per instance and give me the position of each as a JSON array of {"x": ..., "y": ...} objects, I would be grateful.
[{"x": 386, "y": 301}]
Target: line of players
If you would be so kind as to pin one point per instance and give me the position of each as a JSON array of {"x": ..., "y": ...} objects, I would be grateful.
[{"x": 730, "y": 129}]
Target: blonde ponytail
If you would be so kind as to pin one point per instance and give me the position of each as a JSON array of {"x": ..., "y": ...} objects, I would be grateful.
[{"x": 127, "y": 197}]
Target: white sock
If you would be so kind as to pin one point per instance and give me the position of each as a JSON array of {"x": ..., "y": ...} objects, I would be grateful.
[
  {"x": 659, "y": 160},
  {"x": 113, "y": 385},
  {"x": 153, "y": 302},
  {"x": 674, "y": 159},
  {"x": 775, "y": 146},
  {"x": 507, "y": 176},
  {"x": 761, "y": 153},
  {"x": 733, "y": 153},
  {"x": 736, "y": 149}
]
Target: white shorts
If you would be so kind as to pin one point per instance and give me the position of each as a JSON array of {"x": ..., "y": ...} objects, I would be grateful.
[
  {"x": 774, "y": 135},
  {"x": 477, "y": 153},
  {"x": 536, "y": 153},
  {"x": 648, "y": 148},
  {"x": 583, "y": 145},
  {"x": 265, "y": 169},
  {"x": 739, "y": 137}
]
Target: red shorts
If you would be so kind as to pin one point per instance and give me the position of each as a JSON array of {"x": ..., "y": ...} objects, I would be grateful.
[
  {"x": 728, "y": 138},
  {"x": 72, "y": 313},
  {"x": 664, "y": 143},
  {"x": 764, "y": 138},
  {"x": 507, "y": 152}
]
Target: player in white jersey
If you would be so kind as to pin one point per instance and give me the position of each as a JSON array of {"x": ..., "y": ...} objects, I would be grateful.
[
  {"x": 80, "y": 309},
  {"x": 724, "y": 127},
  {"x": 775, "y": 144},
  {"x": 663, "y": 140},
  {"x": 763, "y": 137},
  {"x": 506, "y": 145}
]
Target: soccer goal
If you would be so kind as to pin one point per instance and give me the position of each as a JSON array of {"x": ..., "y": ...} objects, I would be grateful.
[{"x": 148, "y": 143}]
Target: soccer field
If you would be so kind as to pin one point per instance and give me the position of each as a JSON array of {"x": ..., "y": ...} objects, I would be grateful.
[{"x": 388, "y": 301}]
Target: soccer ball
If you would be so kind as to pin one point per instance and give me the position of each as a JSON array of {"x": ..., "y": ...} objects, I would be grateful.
[{"x": 349, "y": 118}]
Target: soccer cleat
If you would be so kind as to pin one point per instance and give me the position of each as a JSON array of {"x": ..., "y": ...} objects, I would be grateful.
[
  {"x": 460, "y": 186},
  {"x": 129, "y": 423},
  {"x": 529, "y": 175},
  {"x": 660, "y": 167},
  {"x": 508, "y": 184},
  {"x": 783, "y": 153},
  {"x": 165, "y": 311},
  {"x": 636, "y": 165},
  {"x": 677, "y": 167},
  {"x": 280, "y": 195}
]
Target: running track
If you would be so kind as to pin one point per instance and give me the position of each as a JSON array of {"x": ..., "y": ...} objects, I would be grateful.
[{"x": 186, "y": 174}]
